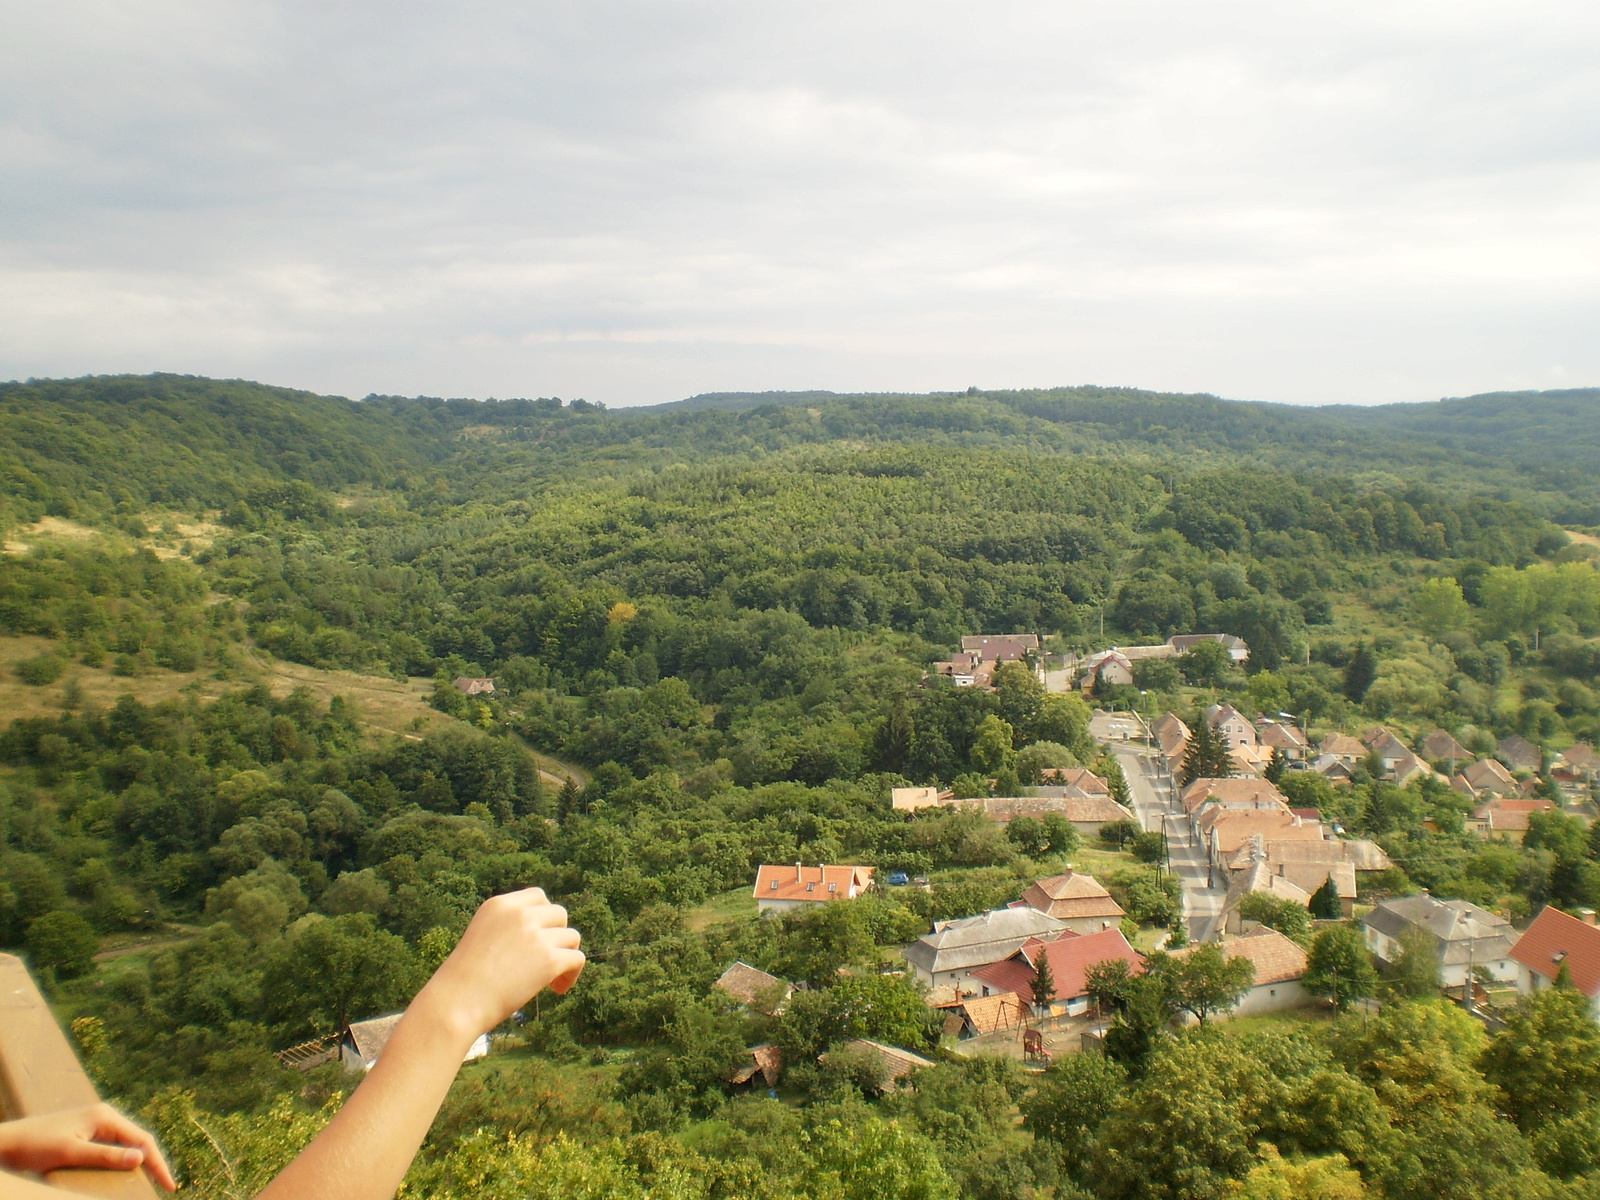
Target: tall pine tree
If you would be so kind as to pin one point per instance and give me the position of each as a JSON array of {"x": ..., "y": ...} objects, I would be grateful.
[
  {"x": 1325, "y": 904},
  {"x": 1044, "y": 983},
  {"x": 1207, "y": 756},
  {"x": 1360, "y": 672}
]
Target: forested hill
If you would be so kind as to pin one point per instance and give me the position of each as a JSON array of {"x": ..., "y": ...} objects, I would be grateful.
[{"x": 100, "y": 445}]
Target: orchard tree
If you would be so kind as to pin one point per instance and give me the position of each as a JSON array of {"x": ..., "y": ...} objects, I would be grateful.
[
  {"x": 1338, "y": 966},
  {"x": 1546, "y": 1062}
]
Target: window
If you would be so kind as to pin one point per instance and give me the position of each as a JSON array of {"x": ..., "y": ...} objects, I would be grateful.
[
  {"x": 811, "y": 887},
  {"x": 774, "y": 885},
  {"x": 833, "y": 887}
]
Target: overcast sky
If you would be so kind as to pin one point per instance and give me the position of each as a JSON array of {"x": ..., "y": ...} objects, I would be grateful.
[{"x": 1364, "y": 201}]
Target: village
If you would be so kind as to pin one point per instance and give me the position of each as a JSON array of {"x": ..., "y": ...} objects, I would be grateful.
[{"x": 1020, "y": 981}]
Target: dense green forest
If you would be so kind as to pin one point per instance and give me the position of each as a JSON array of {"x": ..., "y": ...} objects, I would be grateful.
[{"x": 719, "y": 615}]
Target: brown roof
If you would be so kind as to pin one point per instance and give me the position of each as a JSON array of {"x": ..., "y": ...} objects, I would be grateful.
[
  {"x": 1234, "y": 827},
  {"x": 1343, "y": 746},
  {"x": 897, "y": 1063},
  {"x": 1246, "y": 790},
  {"x": 1440, "y": 746},
  {"x": 765, "y": 1058},
  {"x": 1362, "y": 855},
  {"x": 1085, "y": 780},
  {"x": 751, "y": 985},
  {"x": 1277, "y": 959},
  {"x": 1520, "y": 754},
  {"x": 1005, "y": 809},
  {"x": 817, "y": 884},
  {"x": 1582, "y": 757},
  {"x": 1071, "y": 895},
  {"x": 1311, "y": 876},
  {"x": 1555, "y": 938},
  {"x": 370, "y": 1037},
  {"x": 1285, "y": 737},
  {"x": 1488, "y": 775},
  {"x": 989, "y": 1013}
]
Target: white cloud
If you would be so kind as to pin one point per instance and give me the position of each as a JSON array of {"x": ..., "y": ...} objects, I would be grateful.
[{"x": 1363, "y": 201}]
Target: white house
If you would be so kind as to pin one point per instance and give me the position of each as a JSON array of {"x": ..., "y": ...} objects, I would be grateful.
[
  {"x": 1466, "y": 937},
  {"x": 955, "y": 949},
  {"x": 782, "y": 889},
  {"x": 1556, "y": 940}
]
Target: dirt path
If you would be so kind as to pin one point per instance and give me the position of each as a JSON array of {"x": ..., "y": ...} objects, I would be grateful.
[{"x": 185, "y": 933}]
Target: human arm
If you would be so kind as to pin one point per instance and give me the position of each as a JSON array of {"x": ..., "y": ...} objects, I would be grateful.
[
  {"x": 516, "y": 946},
  {"x": 94, "y": 1136}
]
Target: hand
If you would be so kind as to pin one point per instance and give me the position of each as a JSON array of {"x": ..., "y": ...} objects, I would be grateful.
[
  {"x": 96, "y": 1136},
  {"x": 516, "y": 946}
]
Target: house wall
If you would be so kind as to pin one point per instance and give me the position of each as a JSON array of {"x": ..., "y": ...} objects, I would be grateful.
[
  {"x": 1090, "y": 924},
  {"x": 1529, "y": 982},
  {"x": 782, "y": 906},
  {"x": 1271, "y": 997}
]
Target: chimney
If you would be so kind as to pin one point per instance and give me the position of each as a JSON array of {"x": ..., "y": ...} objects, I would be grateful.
[
  {"x": 798, "y": 873},
  {"x": 1586, "y": 915}
]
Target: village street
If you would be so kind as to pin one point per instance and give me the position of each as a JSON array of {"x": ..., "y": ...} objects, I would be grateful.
[{"x": 1156, "y": 806}]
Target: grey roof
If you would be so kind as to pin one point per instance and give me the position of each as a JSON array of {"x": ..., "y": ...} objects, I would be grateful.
[
  {"x": 977, "y": 941},
  {"x": 1463, "y": 931}
]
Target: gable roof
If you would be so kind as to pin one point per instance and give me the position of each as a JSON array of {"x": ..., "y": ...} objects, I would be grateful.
[
  {"x": 1006, "y": 647},
  {"x": 1343, "y": 746},
  {"x": 1488, "y": 775},
  {"x": 1279, "y": 736},
  {"x": 1439, "y": 746},
  {"x": 1184, "y": 642},
  {"x": 1071, "y": 896},
  {"x": 897, "y": 1063},
  {"x": 766, "y": 1059},
  {"x": 1360, "y": 854},
  {"x": 1082, "y": 780},
  {"x": 1070, "y": 960},
  {"x": 371, "y": 1036},
  {"x": 1235, "y": 791},
  {"x": 818, "y": 884},
  {"x": 1555, "y": 938},
  {"x": 1088, "y": 809},
  {"x": 749, "y": 985},
  {"x": 1276, "y": 958},
  {"x": 975, "y": 941},
  {"x": 1581, "y": 757},
  {"x": 1520, "y": 754}
]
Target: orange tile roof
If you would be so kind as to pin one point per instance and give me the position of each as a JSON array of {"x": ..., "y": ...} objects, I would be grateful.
[
  {"x": 1071, "y": 895},
  {"x": 817, "y": 884},
  {"x": 1555, "y": 938}
]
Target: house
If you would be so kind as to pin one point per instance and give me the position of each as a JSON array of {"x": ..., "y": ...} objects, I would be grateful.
[
  {"x": 1507, "y": 817},
  {"x": 1236, "y": 648},
  {"x": 1576, "y": 764},
  {"x": 1274, "y": 735},
  {"x": 1279, "y": 965},
  {"x": 1344, "y": 748},
  {"x": 966, "y": 670},
  {"x": 897, "y": 1063},
  {"x": 1520, "y": 754},
  {"x": 1488, "y": 778},
  {"x": 1231, "y": 726},
  {"x": 1256, "y": 878},
  {"x": 954, "y": 949},
  {"x": 910, "y": 799},
  {"x": 1106, "y": 667},
  {"x": 1333, "y": 768},
  {"x": 1172, "y": 735},
  {"x": 1006, "y": 647},
  {"x": 1077, "y": 901},
  {"x": 780, "y": 889},
  {"x": 1557, "y": 940},
  {"x": 754, "y": 988},
  {"x": 1076, "y": 783},
  {"x": 1070, "y": 960},
  {"x": 1250, "y": 760},
  {"x": 1225, "y": 830},
  {"x": 765, "y": 1060},
  {"x": 1408, "y": 767},
  {"x": 1362, "y": 856},
  {"x": 1087, "y": 813},
  {"x": 1466, "y": 937},
  {"x": 1439, "y": 746},
  {"x": 1236, "y": 791},
  {"x": 475, "y": 687},
  {"x": 1386, "y": 746},
  {"x": 363, "y": 1042}
]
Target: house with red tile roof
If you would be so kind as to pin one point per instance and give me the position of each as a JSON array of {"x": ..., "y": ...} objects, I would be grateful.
[
  {"x": 1279, "y": 964},
  {"x": 781, "y": 889},
  {"x": 1555, "y": 940},
  {"x": 1275, "y": 735},
  {"x": 1070, "y": 960}
]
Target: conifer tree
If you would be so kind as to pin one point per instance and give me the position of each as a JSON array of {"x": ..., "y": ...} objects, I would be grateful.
[
  {"x": 1325, "y": 904},
  {"x": 1361, "y": 671},
  {"x": 1207, "y": 756},
  {"x": 1044, "y": 983}
]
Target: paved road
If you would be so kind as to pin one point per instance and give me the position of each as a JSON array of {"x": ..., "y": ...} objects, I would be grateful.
[{"x": 1157, "y": 808}]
